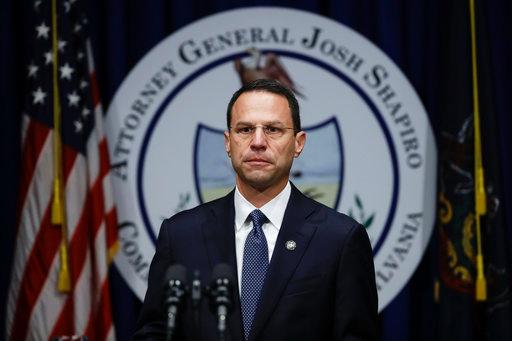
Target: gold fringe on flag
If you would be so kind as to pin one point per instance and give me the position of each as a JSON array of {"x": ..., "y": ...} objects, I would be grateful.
[
  {"x": 58, "y": 207},
  {"x": 112, "y": 251},
  {"x": 437, "y": 290},
  {"x": 480, "y": 196}
]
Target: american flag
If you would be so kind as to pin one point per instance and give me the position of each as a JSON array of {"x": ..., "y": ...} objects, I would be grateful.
[{"x": 37, "y": 309}]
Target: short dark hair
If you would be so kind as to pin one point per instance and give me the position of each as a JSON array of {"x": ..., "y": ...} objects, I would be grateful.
[{"x": 272, "y": 86}]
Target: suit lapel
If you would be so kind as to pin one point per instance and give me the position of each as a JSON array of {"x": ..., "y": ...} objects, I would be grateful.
[
  {"x": 284, "y": 262},
  {"x": 219, "y": 237},
  {"x": 218, "y": 232}
]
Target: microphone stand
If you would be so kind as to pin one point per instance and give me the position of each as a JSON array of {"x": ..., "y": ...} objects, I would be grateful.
[
  {"x": 173, "y": 301},
  {"x": 196, "y": 296},
  {"x": 176, "y": 291},
  {"x": 220, "y": 293}
]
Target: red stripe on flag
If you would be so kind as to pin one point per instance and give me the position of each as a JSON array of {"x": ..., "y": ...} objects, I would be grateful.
[
  {"x": 111, "y": 216},
  {"x": 100, "y": 320},
  {"x": 69, "y": 156},
  {"x": 36, "y": 272},
  {"x": 104, "y": 159},
  {"x": 65, "y": 325},
  {"x": 85, "y": 232},
  {"x": 111, "y": 227},
  {"x": 37, "y": 134},
  {"x": 95, "y": 92}
]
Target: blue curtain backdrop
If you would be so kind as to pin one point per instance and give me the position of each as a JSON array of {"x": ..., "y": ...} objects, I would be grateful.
[{"x": 415, "y": 34}]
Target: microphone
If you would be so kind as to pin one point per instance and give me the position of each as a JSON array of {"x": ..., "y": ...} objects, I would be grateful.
[
  {"x": 221, "y": 295},
  {"x": 176, "y": 289},
  {"x": 196, "y": 293}
]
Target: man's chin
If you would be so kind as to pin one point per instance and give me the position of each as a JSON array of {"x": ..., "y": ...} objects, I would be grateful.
[
  {"x": 258, "y": 180},
  {"x": 262, "y": 182}
]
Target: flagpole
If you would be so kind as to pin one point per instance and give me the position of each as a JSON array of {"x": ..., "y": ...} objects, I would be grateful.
[
  {"x": 58, "y": 213},
  {"x": 480, "y": 196}
]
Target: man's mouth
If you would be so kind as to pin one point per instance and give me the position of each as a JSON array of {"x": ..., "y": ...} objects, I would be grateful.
[{"x": 257, "y": 161}]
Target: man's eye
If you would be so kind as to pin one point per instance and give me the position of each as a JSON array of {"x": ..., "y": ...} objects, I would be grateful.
[
  {"x": 245, "y": 130},
  {"x": 272, "y": 130}
]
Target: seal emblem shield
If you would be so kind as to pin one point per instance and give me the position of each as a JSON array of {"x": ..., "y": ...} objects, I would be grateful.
[{"x": 318, "y": 172}]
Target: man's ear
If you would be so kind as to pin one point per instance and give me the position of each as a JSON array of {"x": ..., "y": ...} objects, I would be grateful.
[
  {"x": 226, "y": 143},
  {"x": 300, "y": 141}
]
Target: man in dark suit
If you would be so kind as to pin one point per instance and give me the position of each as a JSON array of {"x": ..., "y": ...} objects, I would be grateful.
[{"x": 304, "y": 271}]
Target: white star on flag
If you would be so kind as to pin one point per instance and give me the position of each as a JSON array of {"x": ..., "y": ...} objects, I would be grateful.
[
  {"x": 48, "y": 57},
  {"x": 78, "y": 126},
  {"x": 67, "y": 6},
  {"x": 62, "y": 44},
  {"x": 85, "y": 112},
  {"x": 83, "y": 84},
  {"x": 42, "y": 30},
  {"x": 39, "y": 96},
  {"x": 73, "y": 99},
  {"x": 66, "y": 71},
  {"x": 77, "y": 28},
  {"x": 32, "y": 70},
  {"x": 80, "y": 55}
]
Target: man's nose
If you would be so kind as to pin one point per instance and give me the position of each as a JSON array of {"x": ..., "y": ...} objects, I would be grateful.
[{"x": 259, "y": 139}]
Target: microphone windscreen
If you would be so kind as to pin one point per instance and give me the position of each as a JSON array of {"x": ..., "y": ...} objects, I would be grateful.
[
  {"x": 221, "y": 271},
  {"x": 176, "y": 272}
]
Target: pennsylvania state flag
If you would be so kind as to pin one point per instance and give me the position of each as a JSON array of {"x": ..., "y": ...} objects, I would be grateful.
[{"x": 460, "y": 316}]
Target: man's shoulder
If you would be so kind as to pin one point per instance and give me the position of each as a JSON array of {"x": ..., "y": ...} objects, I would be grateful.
[
  {"x": 324, "y": 210},
  {"x": 330, "y": 220},
  {"x": 338, "y": 220}
]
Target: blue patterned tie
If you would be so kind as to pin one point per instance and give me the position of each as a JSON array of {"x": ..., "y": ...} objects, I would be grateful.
[{"x": 254, "y": 269}]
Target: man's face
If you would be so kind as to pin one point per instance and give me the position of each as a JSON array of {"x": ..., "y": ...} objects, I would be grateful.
[{"x": 261, "y": 157}]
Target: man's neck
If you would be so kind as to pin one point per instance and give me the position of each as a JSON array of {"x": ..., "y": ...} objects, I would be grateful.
[{"x": 257, "y": 196}]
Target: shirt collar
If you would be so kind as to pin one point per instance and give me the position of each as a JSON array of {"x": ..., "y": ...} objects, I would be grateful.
[{"x": 273, "y": 210}]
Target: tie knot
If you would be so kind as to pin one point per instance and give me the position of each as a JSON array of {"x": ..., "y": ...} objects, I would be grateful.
[{"x": 258, "y": 218}]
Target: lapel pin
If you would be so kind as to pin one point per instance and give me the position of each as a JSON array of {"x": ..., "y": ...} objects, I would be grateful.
[{"x": 290, "y": 245}]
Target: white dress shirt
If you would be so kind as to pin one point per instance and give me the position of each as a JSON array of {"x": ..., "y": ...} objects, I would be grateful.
[{"x": 273, "y": 210}]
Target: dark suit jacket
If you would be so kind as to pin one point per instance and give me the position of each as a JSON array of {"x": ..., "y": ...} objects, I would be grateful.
[{"x": 322, "y": 290}]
